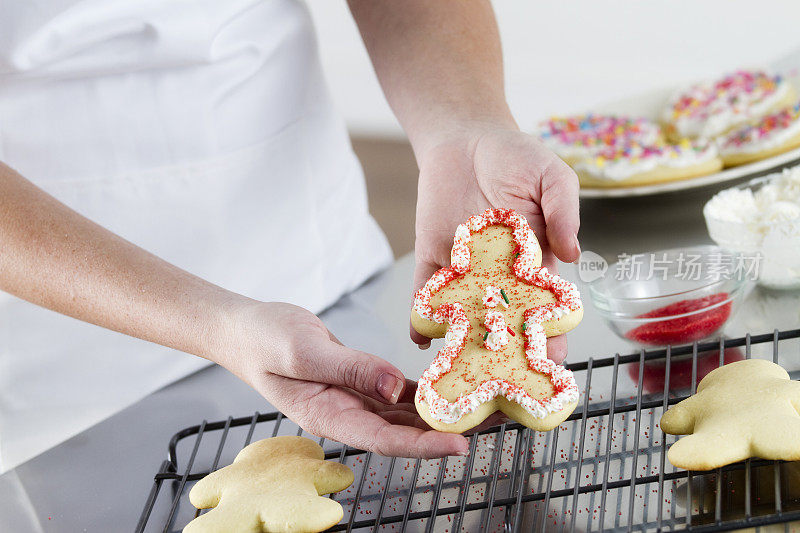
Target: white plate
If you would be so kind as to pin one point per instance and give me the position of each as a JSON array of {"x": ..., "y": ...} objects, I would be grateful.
[
  {"x": 744, "y": 171},
  {"x": 649, "y": 105}
]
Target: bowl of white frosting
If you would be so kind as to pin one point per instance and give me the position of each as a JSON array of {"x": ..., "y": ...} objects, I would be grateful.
[{"x": 762, "y": 218}]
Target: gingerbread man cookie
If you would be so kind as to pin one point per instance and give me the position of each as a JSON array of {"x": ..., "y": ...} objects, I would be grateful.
[
  {"x": 495, "y": 305},
  {"x": 745, "y": 409},
  {"x": 273, "y": 485}
]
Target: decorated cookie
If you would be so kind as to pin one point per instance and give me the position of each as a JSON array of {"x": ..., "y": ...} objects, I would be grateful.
[
  {"x": 495, "y": 306},
  {"x": 707, "y": 110},
  {"x": 577, "y": 137},
  {"x": 640, "y": 164},
  {"x": 745, "y": 409},
  {"x": 772, "y": 135},
  {"x": 273, "y": 485}
]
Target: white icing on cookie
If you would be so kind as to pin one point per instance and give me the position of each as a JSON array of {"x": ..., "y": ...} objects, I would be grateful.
[
  {"x": 496, "y": 331},
  {"x": 619, "y": 164},
  {"x": 580, "y": 136},
  {"x": 706, "y": 110},
  {"x": 525, "y": 267},
  {"x": 493, "y": 297},
  {"x": 772, "y": 131}
]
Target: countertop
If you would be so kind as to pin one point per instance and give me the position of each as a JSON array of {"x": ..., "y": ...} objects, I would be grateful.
[{"x": 98, "y": 480}]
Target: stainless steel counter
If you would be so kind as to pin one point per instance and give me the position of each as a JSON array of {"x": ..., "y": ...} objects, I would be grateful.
[{"x": 98, "y": 480}]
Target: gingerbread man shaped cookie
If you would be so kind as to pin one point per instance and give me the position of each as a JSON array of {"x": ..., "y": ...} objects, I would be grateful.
[
  {"x": 744, "y": 409},
  {"x": 495, "y": 305},
  {"x": 273, "y": 485}
]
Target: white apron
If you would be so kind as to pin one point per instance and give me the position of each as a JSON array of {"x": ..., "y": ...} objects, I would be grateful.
[{"x": 199, "y": 130}]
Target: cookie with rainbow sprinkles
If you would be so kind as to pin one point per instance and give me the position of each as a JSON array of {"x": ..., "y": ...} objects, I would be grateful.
[
  {"x": 774, "y": 134},
  {"x": 495, "y": 305},
  {"x": 577, "y": 137},
  {"x": 709, "y": 109},
  {"x": 643, "y": 164}
]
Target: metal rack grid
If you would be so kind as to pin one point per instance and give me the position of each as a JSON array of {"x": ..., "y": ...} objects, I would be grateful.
[{"x": 604, "y": 469}]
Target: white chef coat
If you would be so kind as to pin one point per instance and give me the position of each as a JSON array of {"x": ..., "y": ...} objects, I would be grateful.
[{"x": 200, "y": 130}]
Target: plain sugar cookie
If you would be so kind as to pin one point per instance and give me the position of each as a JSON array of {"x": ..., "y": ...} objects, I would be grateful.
[
  {"x": 495, "y": 306},
  {"x": 744, "y": 409},
  {"x": 273, "y": 485}
]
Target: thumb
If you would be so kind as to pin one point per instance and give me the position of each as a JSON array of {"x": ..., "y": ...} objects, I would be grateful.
[
  {"x": 559, "y": 203},
  {"x": 422, "y": 272}
]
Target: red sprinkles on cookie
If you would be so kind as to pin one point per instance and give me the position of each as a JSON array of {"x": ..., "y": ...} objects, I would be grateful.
[{"x": 527, "y": 269}]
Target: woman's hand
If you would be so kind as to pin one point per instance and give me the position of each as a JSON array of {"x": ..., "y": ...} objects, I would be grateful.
[
  {"x": 477, "y": 166},
  {"x": 288, "y": 355}
]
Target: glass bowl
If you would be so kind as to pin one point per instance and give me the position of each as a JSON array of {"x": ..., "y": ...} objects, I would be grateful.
[
  {"x": 761, "y": 217},
  {"x": 670, "y": 296}
]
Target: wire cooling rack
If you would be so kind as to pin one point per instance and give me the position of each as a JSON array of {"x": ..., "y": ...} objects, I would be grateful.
[{"x": 604, "y": 469}]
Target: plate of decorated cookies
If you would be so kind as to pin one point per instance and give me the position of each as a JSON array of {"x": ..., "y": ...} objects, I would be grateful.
[{"x": 742, "y": 123}]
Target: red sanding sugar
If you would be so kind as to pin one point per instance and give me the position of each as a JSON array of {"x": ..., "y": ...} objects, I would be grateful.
[{"x": 685, "y": 329}]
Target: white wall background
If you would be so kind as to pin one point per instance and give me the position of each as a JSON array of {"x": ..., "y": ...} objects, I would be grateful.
[{"x": 568, "y": 56}]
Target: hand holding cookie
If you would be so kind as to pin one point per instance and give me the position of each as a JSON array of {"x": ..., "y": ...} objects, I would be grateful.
[
  {"x": 495, "y": 305},
  {"x": 484, "y": 167},
  {"x": 288, "y": 355}
]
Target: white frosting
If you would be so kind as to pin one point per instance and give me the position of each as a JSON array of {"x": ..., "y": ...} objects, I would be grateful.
[
  {"x": 766, "y": 221},
  {"x": 756, "y": 212},
  {"x": 649, "y": 133},
  {"x": 496, "y": 331},
  {"x": 782, "y": 186},
  {"x": 627, "y": 167},
  {"x": 526, "y": 266},
  {"x": 536, "y": 354},
  {"x": 755, "y": 143},
  {"x": 733, "y": 205},
  {"x": 781, "y": 212},
  {"x": 723, "y": 112},
  {"x": 494, "y": 297}
]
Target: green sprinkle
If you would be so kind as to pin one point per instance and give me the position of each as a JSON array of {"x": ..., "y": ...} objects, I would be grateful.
[
  {"x": 503, "y": 294},
  {"x": 485, "y": 336},
  {"x": 516, "y": 255},
  {"x": 524, "y": 326}
]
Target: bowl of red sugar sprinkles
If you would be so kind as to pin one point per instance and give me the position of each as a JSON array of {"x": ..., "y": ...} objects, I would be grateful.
[{"x": 671, "y": 297}]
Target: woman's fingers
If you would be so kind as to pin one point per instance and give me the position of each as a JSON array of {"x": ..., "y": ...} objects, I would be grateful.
[
  {"x": 327, "y": 361},
  {"x": 422, "y": 342},
  {"x": 342, "y": 415},
  {"x": 369, "y": 431},
  {"x": 494, "y": 419},
  {"x": 422, "y": 272},
  {"x": 559, "y": 203},
  {"x": 557, "y": 348},
  {"x": 408, "y": 392},
  {"x": 403, "y": 418}
]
